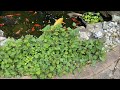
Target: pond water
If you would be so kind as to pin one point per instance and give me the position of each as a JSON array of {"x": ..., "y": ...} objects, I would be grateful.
[{"x": 19, "y": 23}]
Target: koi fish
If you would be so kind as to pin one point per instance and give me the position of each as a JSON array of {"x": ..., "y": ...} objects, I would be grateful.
[
  {"x": 33, "y": 29},
  {"x": 26, "y": 19},
  {"x": 17, "y": 14},
  {"x": 76, "y": 21},
  {"x": 59, "y": 21},
  {"x": 37, "y": 25},
  {"x": 18, "y": 32},
  {"x": 30, "y": 11},
  {"x": 9, "y": 15},
  {"x": 34, "y": 13},
  {"x": 1, "y": 24},
  {"x": 1, "y": 16}
]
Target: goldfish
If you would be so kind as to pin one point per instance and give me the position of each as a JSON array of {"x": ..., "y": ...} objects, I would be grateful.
[
  {"x": 59, "y": 21},
  {"x": 34, "y": 13},
  {"x": 18, "y": 32},
  {"x": 1, "y": 24},
  {"x": 9, "y": 15},
  {"x": 26, "y": 19},
  {"x": 1, "y": 16},
  {"x": 37, "y": 25},
  {"x": 33, "y": 29},
  {"x": 17, "y": 14},
  {"x": 76, "y": 21},
  {"x": 30, "y": 11}
]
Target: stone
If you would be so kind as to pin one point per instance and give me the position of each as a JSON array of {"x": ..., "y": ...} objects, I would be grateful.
[
  {"x": 1, "y": 33},
  {"x": 2, "y": 38},
  {"x": 98, "y": 34},
  {"x": 94, "y": 27},
  {"x": 84, "y": 35},
  {"x": 3, "y": 42},
  {"x": 116, "y": 18}
]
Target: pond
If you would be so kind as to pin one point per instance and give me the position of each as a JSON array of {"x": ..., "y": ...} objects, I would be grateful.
[{"x": 20, "y": 23}]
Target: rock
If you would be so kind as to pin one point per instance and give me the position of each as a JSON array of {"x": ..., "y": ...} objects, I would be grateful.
[
  {"x": 3, "y": 42},
  {"x": 1, "y": 33},
  {"x": 84, "y": 33},
  {"x": 96, "y": 30},
  {"x": 98, "y": 34},
  {"x": 116, "y": 18},
  {"x": 2, "y": 38}
]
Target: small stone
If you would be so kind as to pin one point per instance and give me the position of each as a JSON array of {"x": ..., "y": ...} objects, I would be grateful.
[
  {"x": 3, "y": 42},
  {"x": 98, "y": 34},
  {"x": 83, "y": 35},
  {"x": 2, "y": 38},
  {"x": 116, "y": 18},
  {"x": 1, "y": 33}
]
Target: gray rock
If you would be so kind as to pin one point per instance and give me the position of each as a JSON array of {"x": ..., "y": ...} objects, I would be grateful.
[
  {"x": 96, "y": 30},
  {"x": 94, "y": 27},
  {"x": 98, "y": 34},
  {"x": 84, "y": 33},
  {"x": 2, "y": 38},
  {"x": 3, "y": 42},
  {"x": 116, "y": 18},
  {"x": 1, "y": 33}
]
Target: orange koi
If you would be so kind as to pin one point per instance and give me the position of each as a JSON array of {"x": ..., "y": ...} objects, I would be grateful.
[
  {"x": 17, "y": 14},
  {"x": 9, "y": 15},
  {"x": 37, "y": 25},
  {"x": 1, "y": 16},
  {"x": 30, "y": 11},
  {"x": 1, "y": 24},
  {"x": 33, "y": 29},
  {"x": 76, "y": 21}
]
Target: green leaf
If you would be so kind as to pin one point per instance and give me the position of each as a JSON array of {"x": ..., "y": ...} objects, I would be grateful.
[
  {"x": 51, "y": 68},
  {"x": 50, "y": 75},
  {"x": 38, "y": 72},
  {"x": 74, "y": 24}
]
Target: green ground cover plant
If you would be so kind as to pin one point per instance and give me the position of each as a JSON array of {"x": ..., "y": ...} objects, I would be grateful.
[{"x": 56, "y": 52}]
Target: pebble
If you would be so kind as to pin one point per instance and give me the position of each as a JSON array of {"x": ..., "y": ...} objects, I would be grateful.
[{"x": 1, "y": 33}]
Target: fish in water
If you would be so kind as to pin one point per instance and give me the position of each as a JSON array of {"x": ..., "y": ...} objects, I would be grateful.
[
  {"x": 19, "y": 31},
  {"x": 33, "y": 29},
  {"x": 17, "y": 14},
  {"x": 59, "y": 21},
  {"x": 37, "y": 25},
  {"x": 79, "y": 20},
  {"x": 26, "y": 19},
  {"x": 2, "y": 24},
  {"x": 10, "y": 15}
]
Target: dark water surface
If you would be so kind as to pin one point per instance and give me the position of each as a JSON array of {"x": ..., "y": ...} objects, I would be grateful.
[{"x": 18, "y": 23}]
